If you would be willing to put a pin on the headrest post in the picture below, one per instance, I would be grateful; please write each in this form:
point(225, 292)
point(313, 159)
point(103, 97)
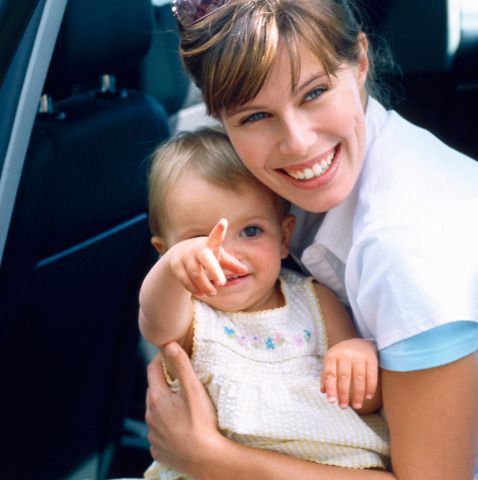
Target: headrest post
point(108, 88)
point(108, 83)
point(46, 104)
point(46, 110)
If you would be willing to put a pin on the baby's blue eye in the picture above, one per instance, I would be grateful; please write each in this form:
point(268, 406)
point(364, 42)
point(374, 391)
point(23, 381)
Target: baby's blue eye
point(314, 94)
point(250, 232)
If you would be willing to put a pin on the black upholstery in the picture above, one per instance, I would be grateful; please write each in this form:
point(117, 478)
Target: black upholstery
point(77, 250)
point(161, 72)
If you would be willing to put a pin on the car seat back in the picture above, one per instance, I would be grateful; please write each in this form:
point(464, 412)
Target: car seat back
point(76, 252)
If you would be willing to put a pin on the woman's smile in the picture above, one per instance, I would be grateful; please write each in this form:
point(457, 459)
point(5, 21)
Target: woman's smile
point(314, 168)
point(315, 173)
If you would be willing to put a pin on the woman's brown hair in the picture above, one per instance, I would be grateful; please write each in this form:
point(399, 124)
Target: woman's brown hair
point(230, 53)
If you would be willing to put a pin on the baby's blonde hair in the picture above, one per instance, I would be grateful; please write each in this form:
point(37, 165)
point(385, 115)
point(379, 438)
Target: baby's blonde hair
point(207, 152)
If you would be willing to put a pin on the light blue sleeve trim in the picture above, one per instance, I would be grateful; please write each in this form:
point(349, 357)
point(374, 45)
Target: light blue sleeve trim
point(438, 346)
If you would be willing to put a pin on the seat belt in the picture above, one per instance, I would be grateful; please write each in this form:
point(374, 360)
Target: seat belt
point(37, 45)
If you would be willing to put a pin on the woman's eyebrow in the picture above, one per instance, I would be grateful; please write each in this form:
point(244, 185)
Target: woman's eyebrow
point(244, 108)
point(315, 77)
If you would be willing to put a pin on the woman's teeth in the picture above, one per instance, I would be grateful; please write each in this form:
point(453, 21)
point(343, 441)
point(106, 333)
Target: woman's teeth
point(315, 170)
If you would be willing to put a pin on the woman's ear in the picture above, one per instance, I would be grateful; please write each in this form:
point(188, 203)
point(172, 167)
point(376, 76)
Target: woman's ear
point(288, 226)
point(159, 244)
point(363, 63)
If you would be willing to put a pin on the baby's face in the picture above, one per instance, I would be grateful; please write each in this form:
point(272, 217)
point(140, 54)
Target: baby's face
point(256, 235)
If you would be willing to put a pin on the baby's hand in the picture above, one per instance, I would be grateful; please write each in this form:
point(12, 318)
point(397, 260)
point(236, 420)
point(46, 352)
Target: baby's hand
point(198, 263)
point(350, 371)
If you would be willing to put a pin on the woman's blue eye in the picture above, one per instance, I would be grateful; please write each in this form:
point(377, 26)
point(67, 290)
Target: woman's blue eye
point(254, 117)
point(250, 232)
point(314, 94)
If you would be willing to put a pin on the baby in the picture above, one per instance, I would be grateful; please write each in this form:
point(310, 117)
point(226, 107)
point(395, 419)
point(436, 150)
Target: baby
point(277, 352)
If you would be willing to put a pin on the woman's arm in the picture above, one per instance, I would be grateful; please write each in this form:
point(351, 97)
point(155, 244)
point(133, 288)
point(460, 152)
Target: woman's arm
point(432, 415)
point(183, 434)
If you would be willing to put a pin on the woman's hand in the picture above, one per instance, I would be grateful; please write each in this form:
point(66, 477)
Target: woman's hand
point(183, 424)
point(183, 434)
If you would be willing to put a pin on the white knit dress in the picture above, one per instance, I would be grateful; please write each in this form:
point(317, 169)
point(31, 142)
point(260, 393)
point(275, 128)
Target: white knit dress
point(262, 371)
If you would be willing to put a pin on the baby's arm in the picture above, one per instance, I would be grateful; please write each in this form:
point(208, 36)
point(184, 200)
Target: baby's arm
point(190, 267)
point(350, 372)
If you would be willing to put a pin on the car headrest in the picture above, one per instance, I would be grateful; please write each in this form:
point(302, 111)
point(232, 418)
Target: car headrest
point(424, 35)
point(99, 37)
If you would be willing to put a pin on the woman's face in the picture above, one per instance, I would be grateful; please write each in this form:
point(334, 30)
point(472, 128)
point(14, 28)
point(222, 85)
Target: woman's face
point(308, 144)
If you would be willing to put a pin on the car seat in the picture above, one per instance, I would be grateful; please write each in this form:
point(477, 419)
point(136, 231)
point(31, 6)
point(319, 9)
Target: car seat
point(77, 250)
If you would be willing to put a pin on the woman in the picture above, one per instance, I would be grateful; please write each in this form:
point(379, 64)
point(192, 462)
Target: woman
point(291, 82)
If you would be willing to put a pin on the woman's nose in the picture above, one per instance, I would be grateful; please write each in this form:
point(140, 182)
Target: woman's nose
point(297, 135)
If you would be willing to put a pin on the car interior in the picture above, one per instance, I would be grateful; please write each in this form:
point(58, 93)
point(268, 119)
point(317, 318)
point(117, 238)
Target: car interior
point(107, 87)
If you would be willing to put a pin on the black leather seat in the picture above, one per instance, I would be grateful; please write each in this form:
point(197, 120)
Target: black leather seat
point(77, 250)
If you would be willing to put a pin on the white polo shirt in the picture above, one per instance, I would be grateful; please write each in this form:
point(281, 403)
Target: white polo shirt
point(402, 249)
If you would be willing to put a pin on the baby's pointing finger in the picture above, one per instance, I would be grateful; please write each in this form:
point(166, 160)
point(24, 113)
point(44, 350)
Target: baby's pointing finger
point(211, 266)
point(216, 237)
point(231, 263)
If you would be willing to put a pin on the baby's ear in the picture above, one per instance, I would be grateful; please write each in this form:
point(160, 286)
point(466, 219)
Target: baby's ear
point(288, 226)
point(159, 244)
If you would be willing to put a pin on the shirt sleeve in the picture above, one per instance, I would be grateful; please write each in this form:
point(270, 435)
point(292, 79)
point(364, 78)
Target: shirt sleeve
point(435, 347)
point(400, 287)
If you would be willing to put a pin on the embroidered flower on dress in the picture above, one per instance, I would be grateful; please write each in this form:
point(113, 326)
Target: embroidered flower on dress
point(279, 339)
point(270, 342)
point(229, 332)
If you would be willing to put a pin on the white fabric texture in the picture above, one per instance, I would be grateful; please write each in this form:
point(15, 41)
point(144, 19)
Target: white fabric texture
point(262, 371)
